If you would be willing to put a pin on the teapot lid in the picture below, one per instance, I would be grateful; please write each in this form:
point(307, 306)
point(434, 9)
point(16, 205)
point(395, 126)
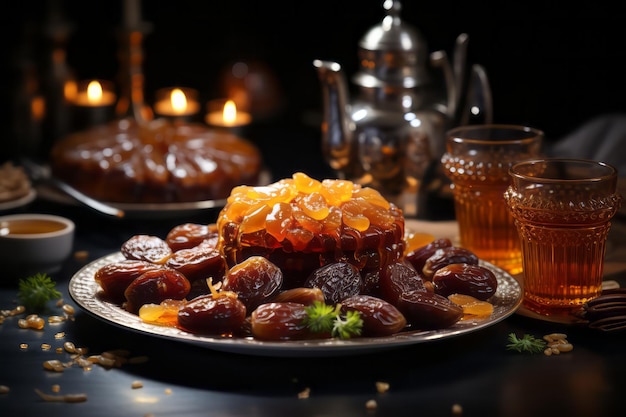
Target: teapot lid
point(392, 53)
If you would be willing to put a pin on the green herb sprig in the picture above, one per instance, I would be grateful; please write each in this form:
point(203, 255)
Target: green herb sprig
point(34, 292)
point(323, 318)
point(526, 344)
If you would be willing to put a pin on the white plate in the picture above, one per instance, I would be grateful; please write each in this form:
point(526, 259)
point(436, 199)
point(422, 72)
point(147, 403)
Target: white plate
point(18, 202)
point(84, 290)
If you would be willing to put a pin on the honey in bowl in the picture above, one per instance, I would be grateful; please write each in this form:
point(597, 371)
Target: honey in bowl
point(30, 227)
point(33, 243)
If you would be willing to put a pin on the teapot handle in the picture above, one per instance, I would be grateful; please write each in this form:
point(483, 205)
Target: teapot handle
point(440, 59)
point(479, 101)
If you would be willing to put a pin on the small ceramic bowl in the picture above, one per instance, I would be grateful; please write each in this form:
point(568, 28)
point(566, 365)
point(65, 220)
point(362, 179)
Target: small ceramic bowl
point(32, 243)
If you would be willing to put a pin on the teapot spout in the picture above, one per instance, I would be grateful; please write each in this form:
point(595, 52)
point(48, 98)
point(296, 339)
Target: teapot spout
point(337, 132)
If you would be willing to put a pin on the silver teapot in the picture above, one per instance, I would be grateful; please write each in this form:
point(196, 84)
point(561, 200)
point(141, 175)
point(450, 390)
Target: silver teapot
point(394, 128)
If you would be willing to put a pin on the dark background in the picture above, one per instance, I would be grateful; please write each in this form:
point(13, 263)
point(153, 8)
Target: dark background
point(551, 64)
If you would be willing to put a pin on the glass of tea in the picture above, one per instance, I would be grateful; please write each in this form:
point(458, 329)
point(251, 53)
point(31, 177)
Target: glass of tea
point(563, 210)
point(477, 162)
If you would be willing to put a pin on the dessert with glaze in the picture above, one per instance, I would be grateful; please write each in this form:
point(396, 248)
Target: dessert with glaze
point(301, 224)
point(155, 162)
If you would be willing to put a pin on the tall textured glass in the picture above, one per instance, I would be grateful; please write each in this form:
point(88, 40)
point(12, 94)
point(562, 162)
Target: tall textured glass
point(563, 210)
point(477, 161)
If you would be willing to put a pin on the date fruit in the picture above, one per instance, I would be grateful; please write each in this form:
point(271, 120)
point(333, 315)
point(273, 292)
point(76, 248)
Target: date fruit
point(189, 235)
point(447, 256)
point(337, 281)
point(279, 321)
point(254, 280)
point(306, 296)
point(220, 314)
point(398, 278)
point(475, 280)
point(152, 287)
point(199, 262)
point(146, 248)
point(115, 277)
point(380, 318)
point(417, 257)
point(427, 310)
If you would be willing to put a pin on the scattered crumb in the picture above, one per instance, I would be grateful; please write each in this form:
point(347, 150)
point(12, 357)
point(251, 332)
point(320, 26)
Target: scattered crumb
point(137, 384)
point(81, 255)
point(168, 391)
point(305, 393)
point(382, 387)
point(371, 405)
point(457, 410)
point(4, 389)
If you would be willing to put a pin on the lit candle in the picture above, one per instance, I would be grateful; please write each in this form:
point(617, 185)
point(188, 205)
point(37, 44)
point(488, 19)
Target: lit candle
point(226, 115)
point(94, 94)
point(176, 102)
point(94, 102)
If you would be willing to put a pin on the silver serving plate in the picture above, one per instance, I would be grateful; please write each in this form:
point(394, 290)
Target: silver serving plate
point(85, 291)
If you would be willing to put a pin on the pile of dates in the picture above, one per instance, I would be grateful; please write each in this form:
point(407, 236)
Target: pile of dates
point(183, 281)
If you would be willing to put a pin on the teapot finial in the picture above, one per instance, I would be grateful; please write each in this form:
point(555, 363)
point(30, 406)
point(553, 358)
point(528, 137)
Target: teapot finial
point(393, 7)
point(392, 53)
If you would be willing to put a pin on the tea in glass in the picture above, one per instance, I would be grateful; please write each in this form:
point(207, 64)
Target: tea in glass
point(477, 161)
point(563, 210)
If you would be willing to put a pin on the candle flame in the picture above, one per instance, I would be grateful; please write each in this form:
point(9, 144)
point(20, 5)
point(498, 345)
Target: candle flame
point(230, 112)
point(70, 90)
point(178, 100)
point(94, 91)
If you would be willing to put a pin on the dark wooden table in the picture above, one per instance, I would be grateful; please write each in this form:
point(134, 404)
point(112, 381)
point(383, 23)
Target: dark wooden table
point(474, 371)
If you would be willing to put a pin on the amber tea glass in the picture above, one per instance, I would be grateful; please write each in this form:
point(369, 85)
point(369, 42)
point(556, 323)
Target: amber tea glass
point(477, 161)
point(563, 210)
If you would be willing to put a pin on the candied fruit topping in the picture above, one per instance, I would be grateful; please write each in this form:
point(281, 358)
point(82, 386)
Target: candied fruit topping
point(472, 307)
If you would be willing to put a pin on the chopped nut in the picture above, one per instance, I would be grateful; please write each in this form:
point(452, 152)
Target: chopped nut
point(4, 389)
point(81, 255)
point(68, 398)
point(382, 387)
point(136, 384)
point(304, 393)
point(371, 405)
point(457, 410)
point(68, 309)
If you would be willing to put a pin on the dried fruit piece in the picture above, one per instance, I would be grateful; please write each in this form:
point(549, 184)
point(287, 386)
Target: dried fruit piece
point(200, 262)
point(417, 257)
point(301, 295)
point(380, 318)
point(216, 313)
point(472, 306)
point(189, 235)
point(447, 256)
point(399, 278)
point(146, 248)
point(254, 280)
point(115, 277)
point(426, 310)
point(279, 321)
point(155, 286)
point(337, 281)
point(475, 280)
